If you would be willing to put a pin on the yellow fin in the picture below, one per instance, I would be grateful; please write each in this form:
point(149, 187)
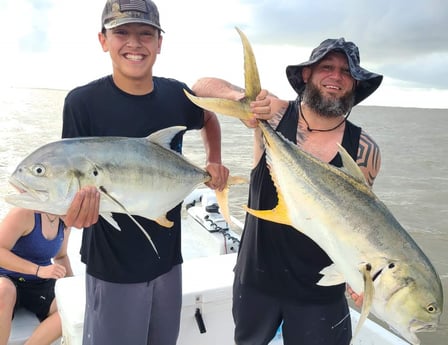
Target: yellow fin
point(252, 83)
point(238, 109)
point(279, 214)
point(222, 197)
point(163, 221)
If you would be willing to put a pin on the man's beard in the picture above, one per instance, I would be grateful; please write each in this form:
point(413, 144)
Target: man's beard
point(327, 106)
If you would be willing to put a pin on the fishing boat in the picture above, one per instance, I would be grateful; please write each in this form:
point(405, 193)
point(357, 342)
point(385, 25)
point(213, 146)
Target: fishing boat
point(209, 247)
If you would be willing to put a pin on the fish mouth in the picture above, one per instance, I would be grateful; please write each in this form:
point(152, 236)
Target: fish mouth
point(417, 326)
point(26, 192)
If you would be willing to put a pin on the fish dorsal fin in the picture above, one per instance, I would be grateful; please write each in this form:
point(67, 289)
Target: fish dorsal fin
point(350, 166)
point(165, 136)
point(369, 291)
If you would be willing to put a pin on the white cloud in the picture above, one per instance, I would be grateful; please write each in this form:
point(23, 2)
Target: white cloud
point(53, 43)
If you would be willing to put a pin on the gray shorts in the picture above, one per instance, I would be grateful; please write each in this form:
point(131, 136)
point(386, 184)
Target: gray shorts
point(137, 314)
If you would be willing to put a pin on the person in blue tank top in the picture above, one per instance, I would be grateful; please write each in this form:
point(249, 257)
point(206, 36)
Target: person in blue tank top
point(132, 295)
point(278, 267)
point(33, 254)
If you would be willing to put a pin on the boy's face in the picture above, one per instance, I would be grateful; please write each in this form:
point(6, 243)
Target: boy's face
point(133, 49)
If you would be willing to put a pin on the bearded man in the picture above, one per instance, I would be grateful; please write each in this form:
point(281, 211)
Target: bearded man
point(278, 267)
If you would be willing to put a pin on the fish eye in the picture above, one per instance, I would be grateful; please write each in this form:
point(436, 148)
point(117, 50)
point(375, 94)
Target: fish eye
point(38, 170)
point(431, 308)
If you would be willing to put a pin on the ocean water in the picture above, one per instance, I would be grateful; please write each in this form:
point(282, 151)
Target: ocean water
point(413, 181)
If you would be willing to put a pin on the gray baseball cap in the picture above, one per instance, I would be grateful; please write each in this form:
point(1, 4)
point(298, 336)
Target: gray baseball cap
point(120, 12)
point(368, 82)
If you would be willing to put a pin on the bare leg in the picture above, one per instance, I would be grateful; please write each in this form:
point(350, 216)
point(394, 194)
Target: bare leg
point(48, 330)
point(8, 295)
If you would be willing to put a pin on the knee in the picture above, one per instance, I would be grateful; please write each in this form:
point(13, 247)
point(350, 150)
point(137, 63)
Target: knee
point(8, 294)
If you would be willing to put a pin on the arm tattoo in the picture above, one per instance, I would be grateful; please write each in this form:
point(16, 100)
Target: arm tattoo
point(369, 157)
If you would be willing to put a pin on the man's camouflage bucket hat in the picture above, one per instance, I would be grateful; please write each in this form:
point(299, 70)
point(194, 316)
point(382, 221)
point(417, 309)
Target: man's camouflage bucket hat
point(368, 82)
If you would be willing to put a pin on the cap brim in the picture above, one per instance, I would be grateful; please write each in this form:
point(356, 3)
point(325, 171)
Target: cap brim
point(122, 21)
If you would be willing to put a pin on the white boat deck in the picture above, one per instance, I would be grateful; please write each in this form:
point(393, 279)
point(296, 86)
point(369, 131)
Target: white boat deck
point(207, 287)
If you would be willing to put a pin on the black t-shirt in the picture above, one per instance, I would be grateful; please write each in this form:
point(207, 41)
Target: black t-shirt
point(101, 109)
point(276, 258)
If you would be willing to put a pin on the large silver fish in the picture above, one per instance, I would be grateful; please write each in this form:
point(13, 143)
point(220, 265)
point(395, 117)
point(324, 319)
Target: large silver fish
point(136, 176)
point(369, 248)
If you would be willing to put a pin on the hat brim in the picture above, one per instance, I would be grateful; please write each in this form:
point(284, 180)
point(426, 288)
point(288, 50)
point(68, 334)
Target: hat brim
point(368, 81)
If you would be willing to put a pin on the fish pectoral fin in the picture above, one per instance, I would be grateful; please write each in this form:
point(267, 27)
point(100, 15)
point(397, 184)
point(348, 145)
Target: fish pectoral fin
point(369, 291)
point(104, 192)
point(108, 217)
point(163, 221)
point(238, 109)
point(331, 276)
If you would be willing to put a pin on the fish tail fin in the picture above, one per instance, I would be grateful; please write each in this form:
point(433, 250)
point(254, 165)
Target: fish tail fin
point(238, 109)
point(252, 83)
point(222, 197)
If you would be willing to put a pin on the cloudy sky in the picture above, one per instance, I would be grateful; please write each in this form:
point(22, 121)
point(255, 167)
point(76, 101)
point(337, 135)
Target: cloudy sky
point(53, 43)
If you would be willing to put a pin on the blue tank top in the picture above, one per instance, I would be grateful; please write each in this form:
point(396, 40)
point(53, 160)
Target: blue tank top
point(36, 248)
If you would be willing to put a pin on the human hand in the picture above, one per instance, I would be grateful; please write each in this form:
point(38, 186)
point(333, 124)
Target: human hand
point(260, 108)
point(219, 174)
point(54, 271)
point(84, 209)
point(357, 299)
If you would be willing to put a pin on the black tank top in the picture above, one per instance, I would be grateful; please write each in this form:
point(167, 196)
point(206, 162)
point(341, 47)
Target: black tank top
point(276, 258)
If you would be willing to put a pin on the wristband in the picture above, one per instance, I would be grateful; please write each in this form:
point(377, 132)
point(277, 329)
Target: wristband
point(37, 271)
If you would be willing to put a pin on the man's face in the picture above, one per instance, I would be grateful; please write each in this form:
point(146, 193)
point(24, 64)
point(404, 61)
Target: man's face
point(329, 85)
